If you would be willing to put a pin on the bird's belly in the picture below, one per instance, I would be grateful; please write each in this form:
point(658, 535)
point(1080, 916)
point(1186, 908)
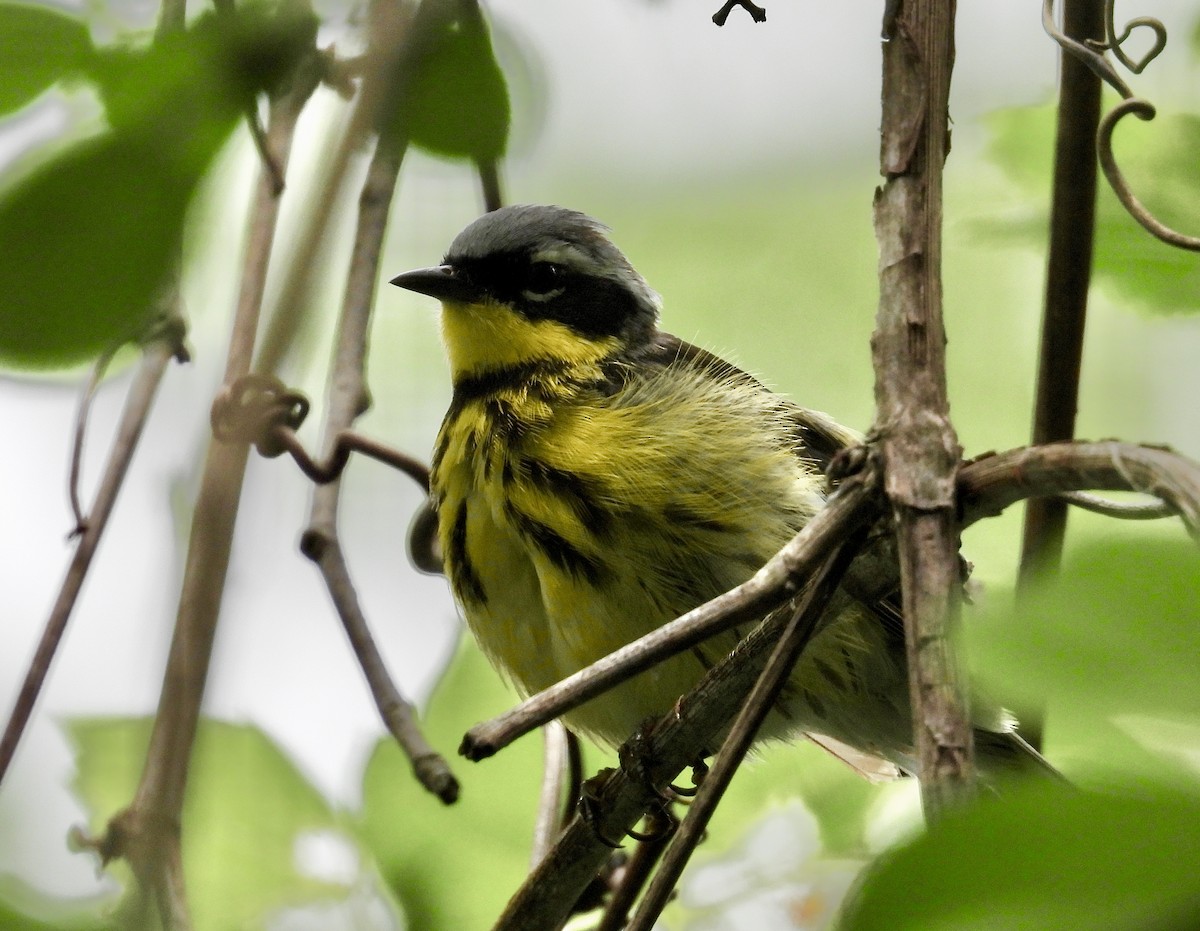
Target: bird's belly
point(541, 623)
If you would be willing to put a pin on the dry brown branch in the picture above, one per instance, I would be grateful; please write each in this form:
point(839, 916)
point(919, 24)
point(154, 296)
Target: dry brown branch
point(147, 833)
point(917, 441)
point(137, 407)
point(389, 66)
point(348, 397)
point(991, 483)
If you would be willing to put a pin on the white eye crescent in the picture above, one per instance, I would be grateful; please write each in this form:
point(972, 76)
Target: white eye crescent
point(545, 282)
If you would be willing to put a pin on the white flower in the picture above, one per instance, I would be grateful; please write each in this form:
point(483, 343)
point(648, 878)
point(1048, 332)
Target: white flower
point(774, 880)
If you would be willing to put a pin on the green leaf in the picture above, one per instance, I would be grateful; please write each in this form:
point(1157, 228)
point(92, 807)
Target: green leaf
point(246, 804)
point(1159, 161)
point(1045, 857)
point(39, 46)
point(457, 103)
point(91, 236)
point(88, 240)
point(454, 866)
point(1110, 644)
point(195, 83)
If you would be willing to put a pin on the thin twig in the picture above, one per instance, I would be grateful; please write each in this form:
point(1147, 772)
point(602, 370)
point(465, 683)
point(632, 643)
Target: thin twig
point(262, 410)
point(773, 585)
point(1068, 276)
point(619, 799)
point(1091, 54)
point(632, 876)
point(344, 443)
point(1086, 53)
point(917, 440)
point(95, 376)
point(348, 397)
point(818, 590)
point(1115, 43)
point(155, 856)
point(556, 765)
point(398, 715)
point(133, 419)
point(399, 41)
point(258, 136)
point(489, 184)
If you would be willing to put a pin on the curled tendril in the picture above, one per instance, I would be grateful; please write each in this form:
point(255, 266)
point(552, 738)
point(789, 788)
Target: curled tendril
point(1144, 110)
point(1091, 53)
point(250, 409)
point(1085, 52)
point(1113, 42)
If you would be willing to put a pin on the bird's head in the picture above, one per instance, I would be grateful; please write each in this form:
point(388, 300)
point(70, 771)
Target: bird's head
point(530, 283)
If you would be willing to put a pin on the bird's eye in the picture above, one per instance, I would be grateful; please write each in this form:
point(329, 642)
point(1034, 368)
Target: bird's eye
point(544, 282)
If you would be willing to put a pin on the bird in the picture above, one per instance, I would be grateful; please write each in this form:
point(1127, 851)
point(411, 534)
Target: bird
point(596, 477)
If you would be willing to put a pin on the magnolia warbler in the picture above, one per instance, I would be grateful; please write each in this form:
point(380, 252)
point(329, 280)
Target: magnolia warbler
point(596, 477)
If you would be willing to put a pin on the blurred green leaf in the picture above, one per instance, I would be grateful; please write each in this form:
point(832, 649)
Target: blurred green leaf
point(187, 87)
point(454, 866)
point(1044, 857)
point(88, 240)
point(457, 104)
point(1158, 159)
point(90, 237)
point(246, 804)
point(39, 46)
point(1115, 638)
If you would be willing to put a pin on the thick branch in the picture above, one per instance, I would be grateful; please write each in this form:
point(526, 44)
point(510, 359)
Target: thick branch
point(148, 832)
point(918, 443)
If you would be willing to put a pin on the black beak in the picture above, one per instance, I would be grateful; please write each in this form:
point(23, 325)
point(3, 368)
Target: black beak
point(444, 282)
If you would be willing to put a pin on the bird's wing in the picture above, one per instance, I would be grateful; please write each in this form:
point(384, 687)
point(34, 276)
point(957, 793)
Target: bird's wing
point(819, 438)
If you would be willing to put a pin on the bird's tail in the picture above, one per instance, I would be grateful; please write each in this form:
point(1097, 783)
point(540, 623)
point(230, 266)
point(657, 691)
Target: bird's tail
point(1003, 755)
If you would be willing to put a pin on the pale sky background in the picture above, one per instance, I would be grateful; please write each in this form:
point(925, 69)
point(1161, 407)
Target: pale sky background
point(637, 95)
